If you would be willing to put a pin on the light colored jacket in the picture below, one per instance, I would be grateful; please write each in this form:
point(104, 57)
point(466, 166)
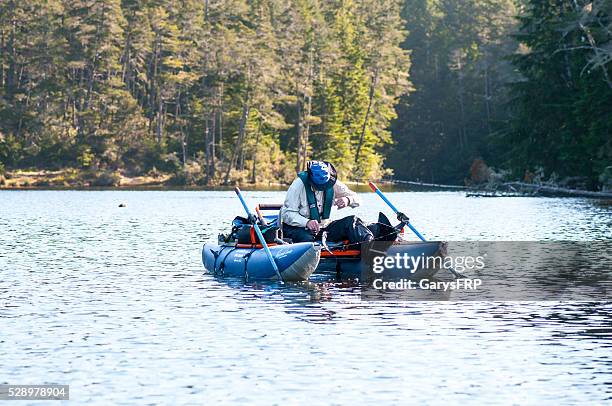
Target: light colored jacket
point(295, 210)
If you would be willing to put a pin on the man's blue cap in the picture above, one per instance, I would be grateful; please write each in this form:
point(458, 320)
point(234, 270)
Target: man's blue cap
point(320, 173)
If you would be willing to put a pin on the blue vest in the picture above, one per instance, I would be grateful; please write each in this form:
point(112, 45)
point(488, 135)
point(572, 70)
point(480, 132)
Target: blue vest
point(328, 198)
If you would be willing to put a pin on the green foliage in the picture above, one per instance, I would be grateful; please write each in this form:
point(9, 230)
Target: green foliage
point(229, 85)
point(104, 178)
point(86, 158)
point(458, 71)
point(249, 90)
point(561, 107)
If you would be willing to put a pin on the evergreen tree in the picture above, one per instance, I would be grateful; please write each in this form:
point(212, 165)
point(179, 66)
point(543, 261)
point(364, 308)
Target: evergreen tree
point(561, 110)
point(209, 90)
point(458, 72)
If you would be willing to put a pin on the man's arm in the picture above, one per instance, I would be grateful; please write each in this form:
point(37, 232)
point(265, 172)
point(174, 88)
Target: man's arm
point(290, 213)
point(341, 190)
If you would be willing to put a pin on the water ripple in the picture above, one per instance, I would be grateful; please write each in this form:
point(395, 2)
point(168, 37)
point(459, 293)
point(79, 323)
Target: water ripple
point(114, 302)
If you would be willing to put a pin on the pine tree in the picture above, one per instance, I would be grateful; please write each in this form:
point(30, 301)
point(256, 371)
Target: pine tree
point(387, 68)
point(458, 72)
point(561, 108)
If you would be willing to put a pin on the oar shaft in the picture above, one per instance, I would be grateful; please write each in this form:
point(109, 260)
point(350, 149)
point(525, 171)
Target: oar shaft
point(244, 205)
point(382, 196)
point(259, 235)
point(414, 230)
point(395, 210)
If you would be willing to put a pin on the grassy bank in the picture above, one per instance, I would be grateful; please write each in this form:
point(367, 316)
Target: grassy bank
point(71, 178)
point(84, 179)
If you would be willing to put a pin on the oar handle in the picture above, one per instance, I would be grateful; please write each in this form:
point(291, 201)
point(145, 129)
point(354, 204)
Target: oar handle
point(262, 219)
point(259, 234)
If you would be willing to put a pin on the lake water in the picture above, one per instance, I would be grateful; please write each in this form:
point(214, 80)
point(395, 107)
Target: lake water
point(115, 303)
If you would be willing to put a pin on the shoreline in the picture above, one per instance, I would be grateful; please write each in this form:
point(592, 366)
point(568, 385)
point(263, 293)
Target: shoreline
point(74, 179)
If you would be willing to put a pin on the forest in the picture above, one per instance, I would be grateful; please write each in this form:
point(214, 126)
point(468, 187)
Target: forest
point(214, 92)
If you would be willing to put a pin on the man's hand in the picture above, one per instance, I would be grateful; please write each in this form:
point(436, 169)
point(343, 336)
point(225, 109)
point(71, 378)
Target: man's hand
point(314, 226)
point(342, 202)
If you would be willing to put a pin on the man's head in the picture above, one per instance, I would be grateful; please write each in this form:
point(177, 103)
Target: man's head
point(322, 174)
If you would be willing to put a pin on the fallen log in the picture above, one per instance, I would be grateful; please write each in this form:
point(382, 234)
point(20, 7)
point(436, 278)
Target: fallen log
point(426, 185)
point(515, 188)
point(495, 193)
point(554, 191)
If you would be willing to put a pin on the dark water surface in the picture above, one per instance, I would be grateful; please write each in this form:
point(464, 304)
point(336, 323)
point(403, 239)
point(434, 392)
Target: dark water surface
point(114, 302)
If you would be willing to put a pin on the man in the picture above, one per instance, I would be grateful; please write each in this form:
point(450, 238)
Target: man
point(305, 213)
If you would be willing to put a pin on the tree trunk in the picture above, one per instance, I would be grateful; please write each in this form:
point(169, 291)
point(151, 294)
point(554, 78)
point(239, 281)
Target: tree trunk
point(212, 169)
point(299, 163)
point(127, 55)
point(184, 149)
point(154, 94)
point(2, 45)
point(324, 112)
point(239, 141)
point(12, 66)
point(462, 132)
point(206, 149)
point(593, 45)
point(94, 64)
point(367, 115)
point(254, 166)
point(487, 92)
point(221, 116)
point(306, 130)
point(177, 112)
point(159, 126)
point(307, 112)
point(241, 159)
